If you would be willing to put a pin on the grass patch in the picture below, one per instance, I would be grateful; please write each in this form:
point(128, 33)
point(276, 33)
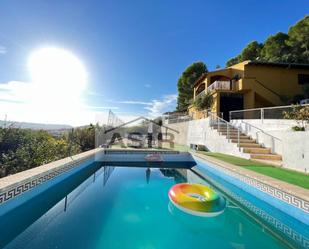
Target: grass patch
point(286, 175)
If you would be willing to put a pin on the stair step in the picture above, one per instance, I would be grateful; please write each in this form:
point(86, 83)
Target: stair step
point(225, 127)
point(266, 156)
point(232, 136)
point(246, 141)
point(232, 133)
point(257, 150)
point(250, 145)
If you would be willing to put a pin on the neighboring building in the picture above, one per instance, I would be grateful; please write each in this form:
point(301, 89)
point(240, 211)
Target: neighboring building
point(250, 84)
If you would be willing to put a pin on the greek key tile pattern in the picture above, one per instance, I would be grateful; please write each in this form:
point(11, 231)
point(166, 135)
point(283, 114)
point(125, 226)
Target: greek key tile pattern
point(32, 182)
point(277, 224)
point(268, 189)
point(115, 151)
point(266, 219)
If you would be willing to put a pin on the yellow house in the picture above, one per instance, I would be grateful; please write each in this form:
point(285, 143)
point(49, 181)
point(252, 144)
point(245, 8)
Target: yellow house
point(250, 84)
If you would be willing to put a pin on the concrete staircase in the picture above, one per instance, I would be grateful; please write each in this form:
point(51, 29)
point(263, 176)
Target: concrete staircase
point(247, 144)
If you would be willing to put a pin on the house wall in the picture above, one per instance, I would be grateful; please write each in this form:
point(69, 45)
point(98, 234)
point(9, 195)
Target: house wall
point(270, 83)
point(283, 81)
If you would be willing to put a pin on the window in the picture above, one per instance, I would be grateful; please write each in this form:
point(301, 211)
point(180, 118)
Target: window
point(303, 79)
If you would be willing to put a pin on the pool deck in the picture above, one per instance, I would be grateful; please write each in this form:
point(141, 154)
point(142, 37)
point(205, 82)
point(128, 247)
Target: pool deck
point(16, 178)
point(284, 186)
point(14, 185)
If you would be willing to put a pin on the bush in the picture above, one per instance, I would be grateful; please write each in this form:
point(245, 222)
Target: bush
point(22, 149)
point(300, 114)
point(203, 102)
point(298, 128)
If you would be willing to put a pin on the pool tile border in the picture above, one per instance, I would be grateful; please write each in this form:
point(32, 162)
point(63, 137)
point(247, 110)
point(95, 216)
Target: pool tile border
point(271, 190)
point(56, 168)
point(142, 151)
point(269, 219)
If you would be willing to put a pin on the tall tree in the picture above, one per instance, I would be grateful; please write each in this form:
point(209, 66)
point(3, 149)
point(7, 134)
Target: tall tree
point(281, 47)
point(186, 82)
point(233, 61)
point(299, 41)
point(251, 52)
point(276, 49)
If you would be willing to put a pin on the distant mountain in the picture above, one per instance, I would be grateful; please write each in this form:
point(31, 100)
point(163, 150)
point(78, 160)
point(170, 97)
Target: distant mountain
point(34, 126)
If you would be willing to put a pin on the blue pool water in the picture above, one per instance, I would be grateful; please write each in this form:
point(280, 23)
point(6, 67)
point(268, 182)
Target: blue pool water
point(127, 207)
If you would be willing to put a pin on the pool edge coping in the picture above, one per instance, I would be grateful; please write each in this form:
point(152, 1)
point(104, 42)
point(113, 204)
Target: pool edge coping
point(14, 185)
point(265, 184)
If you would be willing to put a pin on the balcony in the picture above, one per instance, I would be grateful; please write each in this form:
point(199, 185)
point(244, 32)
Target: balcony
point(220, 85)
point(201, 94)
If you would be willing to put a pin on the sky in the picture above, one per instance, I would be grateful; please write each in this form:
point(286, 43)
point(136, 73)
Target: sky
point(132, 52)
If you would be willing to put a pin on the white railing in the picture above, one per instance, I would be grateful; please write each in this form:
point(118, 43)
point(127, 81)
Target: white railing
point(221, 125)
point(276, 112)
point(262, 137)
point(220, 85)
point(172, 119)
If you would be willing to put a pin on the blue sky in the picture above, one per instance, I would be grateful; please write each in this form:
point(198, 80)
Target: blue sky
point(133, 51)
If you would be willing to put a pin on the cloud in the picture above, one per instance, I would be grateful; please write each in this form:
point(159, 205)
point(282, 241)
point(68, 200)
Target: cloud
point(154, 107)
point(93, 93)
point(24, 102)
point(15, 91)
point(101, 107)
point(3, 50)
point(133, 102)
point(158, 107)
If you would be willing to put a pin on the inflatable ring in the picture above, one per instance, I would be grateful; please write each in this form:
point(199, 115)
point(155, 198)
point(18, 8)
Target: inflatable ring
point(197, 199)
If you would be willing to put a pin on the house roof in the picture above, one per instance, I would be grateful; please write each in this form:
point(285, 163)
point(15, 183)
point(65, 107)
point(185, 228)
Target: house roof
point(276, 64)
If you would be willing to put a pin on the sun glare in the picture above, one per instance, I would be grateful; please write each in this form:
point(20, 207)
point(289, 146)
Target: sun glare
point(56, 70)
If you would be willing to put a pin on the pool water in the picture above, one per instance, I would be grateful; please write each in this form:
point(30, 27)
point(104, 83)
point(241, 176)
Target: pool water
point(125, 207)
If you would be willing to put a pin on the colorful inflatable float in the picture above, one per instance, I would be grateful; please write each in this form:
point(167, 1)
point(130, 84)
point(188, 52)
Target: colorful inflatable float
point(197, 199)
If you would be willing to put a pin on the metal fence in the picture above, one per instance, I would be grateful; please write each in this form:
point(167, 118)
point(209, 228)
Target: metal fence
point(172, 119)
point(277, 112)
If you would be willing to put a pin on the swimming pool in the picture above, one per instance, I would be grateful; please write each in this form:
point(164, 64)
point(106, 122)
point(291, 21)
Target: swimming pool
point(128, 207)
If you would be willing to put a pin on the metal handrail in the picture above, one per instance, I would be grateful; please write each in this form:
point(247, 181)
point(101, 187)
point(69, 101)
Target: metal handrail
point(271, 136)
point(268, 134)
point(270, 107)
point(228, 125)
point(262, 110)
point(239, 130)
